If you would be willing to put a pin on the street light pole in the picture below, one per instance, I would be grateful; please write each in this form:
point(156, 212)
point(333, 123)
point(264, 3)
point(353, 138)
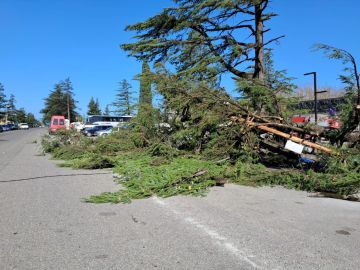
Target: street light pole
point(315, 93)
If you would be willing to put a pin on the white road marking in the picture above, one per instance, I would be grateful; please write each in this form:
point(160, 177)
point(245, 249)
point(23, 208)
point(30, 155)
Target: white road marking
point(214, 235)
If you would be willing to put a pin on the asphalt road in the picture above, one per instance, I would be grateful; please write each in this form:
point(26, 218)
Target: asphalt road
point(45, 225)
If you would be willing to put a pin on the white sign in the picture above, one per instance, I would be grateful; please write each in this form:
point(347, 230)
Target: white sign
point(295, 147)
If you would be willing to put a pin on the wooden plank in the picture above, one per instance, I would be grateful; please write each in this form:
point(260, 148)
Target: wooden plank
point(284, 135)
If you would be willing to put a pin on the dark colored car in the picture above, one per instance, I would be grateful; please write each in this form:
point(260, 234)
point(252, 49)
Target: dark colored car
point(92, 131)
point(12, 126)
point(1, 129)
point(6, 127)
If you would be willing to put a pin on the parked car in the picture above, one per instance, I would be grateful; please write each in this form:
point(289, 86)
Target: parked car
point(92, 131)
point(1, 129)
point(23, 126)
point(5, 127)
point(57, 123)
point(12, 126)
point(104, 132)
point(77, 126)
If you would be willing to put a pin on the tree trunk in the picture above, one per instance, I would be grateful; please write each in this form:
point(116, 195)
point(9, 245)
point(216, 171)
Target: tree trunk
point(357, 82)
point(259, 39)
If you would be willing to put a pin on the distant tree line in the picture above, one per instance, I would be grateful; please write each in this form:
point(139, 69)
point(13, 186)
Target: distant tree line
point(9, 111)
point(122, 105)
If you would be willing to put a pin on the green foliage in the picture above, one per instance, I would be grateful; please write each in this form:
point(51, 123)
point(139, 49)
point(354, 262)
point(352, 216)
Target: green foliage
point(21, 115)
point(145, 85)
point(57, 101)
point(145, 113)
point(107, 110)
point(123, 103)
point(148, 117)
point(198, 146)
point(163, 150)
point(341, 177)
point(12, 108)
point(3, 101)
point(66, 152)
point(94, 107)
point(350, 116)
point(114, 143)
point(201, 39)
point(272, 96)
point(142, 180)
point(160, 169)
point(90, 161)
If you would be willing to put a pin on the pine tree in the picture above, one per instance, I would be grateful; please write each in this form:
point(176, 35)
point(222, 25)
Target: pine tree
point(67, 88)
point(21, 115)
point(57, 103)
point(229, 33)
point(11, 102)
point(123, 102)
point(12, 108)
point(94, 107)
point(146, 113)
point(107, 110)
point(145, 96)
point(3, 101)
point(31, 120)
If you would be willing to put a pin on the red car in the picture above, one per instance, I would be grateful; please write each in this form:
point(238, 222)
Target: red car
point(57, 123)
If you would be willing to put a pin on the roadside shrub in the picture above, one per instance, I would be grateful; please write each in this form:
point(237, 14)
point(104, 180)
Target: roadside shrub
point(49, 144)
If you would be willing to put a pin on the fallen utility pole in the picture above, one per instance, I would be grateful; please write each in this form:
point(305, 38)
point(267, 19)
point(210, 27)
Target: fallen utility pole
point(284, 135)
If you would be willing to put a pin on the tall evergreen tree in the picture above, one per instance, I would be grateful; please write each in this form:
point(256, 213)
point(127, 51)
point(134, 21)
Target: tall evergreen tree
point(219, 28)
point(57, 103)
point(146, 113)
point(123, 99)
point(11, 102)
point(145, 96)
point(94, 107)
point(21, 115)
point(12, 108)
point(31, 120)
point(107, 110)
point(67, 88)
point(3, 101)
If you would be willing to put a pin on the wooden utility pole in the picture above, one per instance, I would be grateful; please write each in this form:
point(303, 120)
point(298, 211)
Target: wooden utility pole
point(68, 107)
point(262, 126)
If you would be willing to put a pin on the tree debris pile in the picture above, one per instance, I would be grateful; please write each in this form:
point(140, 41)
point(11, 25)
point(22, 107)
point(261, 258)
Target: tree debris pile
point(209, 122)
point(201, 138)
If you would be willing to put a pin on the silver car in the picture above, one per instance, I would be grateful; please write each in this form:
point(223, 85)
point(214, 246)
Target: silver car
point(104, 132)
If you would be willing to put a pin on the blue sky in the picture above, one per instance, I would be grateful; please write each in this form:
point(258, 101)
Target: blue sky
point(43, 42)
